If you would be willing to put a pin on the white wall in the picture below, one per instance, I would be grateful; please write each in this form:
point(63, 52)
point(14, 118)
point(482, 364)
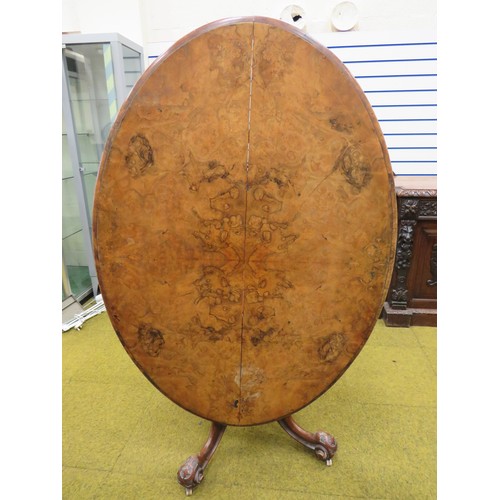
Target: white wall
point(162, 22)
point(169, 19)
point(103, 16)
point(411, 127)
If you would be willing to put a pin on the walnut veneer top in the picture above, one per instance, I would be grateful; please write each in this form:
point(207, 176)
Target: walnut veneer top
point(244, 221)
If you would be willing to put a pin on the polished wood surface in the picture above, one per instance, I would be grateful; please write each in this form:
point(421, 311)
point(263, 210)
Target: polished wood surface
point(244, 221)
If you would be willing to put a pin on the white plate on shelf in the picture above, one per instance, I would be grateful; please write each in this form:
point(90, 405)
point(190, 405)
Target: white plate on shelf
point(345, 16)
point(294, 15)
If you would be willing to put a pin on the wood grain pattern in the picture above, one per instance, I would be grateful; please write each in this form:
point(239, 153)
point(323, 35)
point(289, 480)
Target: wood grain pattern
point(244, 221)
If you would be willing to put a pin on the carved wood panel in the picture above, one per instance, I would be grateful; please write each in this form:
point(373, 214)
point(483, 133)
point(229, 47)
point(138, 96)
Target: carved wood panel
point(412, 298)
point(422, 278)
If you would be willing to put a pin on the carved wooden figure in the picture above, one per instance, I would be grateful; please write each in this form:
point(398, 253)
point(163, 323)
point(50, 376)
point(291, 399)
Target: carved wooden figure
point(244, 226)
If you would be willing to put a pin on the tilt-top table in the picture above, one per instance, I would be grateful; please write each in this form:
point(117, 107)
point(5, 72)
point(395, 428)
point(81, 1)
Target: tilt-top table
point(244, 226)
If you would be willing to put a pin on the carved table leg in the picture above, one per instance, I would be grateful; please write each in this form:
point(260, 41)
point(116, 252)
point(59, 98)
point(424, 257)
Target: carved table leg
point(190, 473)
point(322, 443)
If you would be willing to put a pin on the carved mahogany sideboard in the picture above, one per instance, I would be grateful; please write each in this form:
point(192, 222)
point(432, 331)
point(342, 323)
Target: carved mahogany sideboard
point(412, 297)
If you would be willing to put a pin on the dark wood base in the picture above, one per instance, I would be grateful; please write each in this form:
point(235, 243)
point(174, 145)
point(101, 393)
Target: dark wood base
point(322, 443)
point(191, 472)
point(408, 317)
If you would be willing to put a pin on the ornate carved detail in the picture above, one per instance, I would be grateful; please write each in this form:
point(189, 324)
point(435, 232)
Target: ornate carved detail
point(413, 205)
point(428, 208)
point(433, 266)
point(404, 245)
point(404, 252)
point(416, 193)
point(326, 445)
point(412, 208)
point(323, 444)
point(191, 472)
point(409, 209)
point(399, 295)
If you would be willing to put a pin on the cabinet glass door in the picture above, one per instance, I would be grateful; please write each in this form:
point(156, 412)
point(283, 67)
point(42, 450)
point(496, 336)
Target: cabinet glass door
point(75, 277)
point(132, 64)
point(98, 73)
point(94, 105)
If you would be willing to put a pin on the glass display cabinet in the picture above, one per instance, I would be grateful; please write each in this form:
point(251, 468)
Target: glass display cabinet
point(98, 72)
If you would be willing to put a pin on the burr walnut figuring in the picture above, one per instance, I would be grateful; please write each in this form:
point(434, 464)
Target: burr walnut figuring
point(244, 225)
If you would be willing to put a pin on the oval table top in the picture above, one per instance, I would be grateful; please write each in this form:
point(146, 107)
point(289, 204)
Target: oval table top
point(244, 221)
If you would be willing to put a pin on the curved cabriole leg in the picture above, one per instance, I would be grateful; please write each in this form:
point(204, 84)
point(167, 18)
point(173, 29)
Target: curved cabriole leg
point(322, 443)
point(190, 473)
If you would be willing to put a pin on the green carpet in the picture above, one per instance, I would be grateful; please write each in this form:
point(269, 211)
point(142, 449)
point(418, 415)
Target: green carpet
point(122, 439)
